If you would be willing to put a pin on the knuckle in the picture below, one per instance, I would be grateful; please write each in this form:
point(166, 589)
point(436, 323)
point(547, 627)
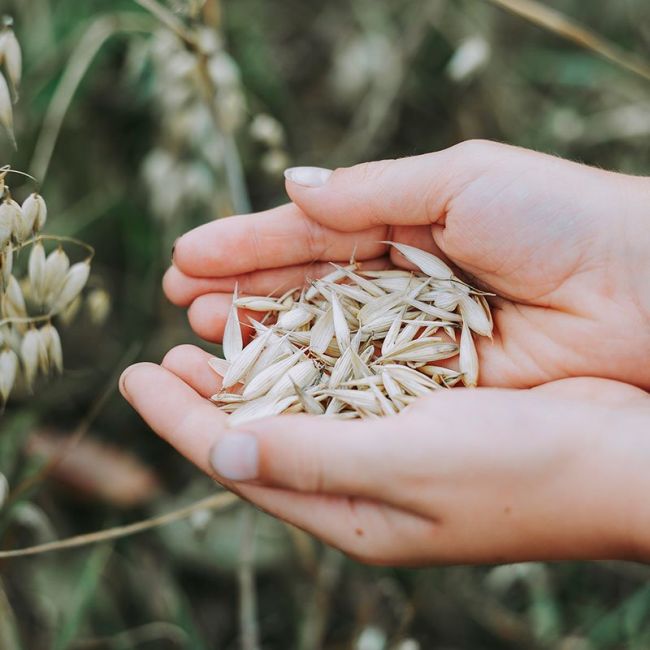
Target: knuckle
point(176, 355)
point(370, 172)
point(468, 146)
point(256, 247)
point(475, 148)
point(307, 466)
point(315, 238)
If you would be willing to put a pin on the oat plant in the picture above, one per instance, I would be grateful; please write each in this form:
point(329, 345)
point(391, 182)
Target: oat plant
point(40, 287)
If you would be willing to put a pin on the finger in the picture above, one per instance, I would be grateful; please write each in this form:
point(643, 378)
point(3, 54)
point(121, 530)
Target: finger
point(190, 364)
point(313, 454)
point(280, 237)
point(408, 191)
point(174, 410)
point(208, 315)
point(182, 289)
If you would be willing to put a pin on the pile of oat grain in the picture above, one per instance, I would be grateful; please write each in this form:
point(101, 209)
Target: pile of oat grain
point(356, 343)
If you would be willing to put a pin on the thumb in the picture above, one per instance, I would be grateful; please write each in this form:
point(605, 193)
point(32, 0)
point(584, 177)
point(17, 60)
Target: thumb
point(406, 191)
point(308, 454)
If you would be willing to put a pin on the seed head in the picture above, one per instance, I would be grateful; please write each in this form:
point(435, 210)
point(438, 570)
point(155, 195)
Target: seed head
point(34, 212)
point(8, 371)
point(98, 304)
point(11, 217)
point(75, 281)
point(11, 55)
point(31, 352)
point(14, 301)
point(56, 268)
point(36, 272)
point(6, 110)
point(52, 344)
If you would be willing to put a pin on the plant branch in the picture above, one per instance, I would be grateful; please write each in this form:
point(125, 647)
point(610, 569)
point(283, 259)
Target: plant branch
point(569, 29)
point(218, 501)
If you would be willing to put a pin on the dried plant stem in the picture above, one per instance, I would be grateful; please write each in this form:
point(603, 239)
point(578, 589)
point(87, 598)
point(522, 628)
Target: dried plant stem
point(61, 239)
point(143, 634)
point(212, 13)
point(218, 501)
point(556, 22)
point(99, 31)
point(246, 578)
point(167, 18)
point(233, 165)
point(315, 621)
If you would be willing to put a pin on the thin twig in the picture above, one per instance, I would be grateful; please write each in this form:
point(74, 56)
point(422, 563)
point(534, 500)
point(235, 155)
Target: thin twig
point(215, 502)
point(167, 18)
point(317, 611)
point(143, 634)
point(246, 577)
point(561, 25)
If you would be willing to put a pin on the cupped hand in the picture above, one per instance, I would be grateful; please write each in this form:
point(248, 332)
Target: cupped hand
point(464, 476)
point(566, 247)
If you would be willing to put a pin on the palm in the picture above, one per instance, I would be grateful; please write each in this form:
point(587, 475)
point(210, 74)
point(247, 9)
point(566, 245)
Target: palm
point(545, 253)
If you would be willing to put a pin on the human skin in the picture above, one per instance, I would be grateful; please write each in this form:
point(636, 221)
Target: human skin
point(546, 460)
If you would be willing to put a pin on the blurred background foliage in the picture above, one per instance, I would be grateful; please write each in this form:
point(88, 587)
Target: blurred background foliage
point(150, 145)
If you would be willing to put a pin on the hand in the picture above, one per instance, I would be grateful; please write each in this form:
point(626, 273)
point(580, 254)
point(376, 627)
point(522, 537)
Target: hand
point(464, 476)
point(566, 247)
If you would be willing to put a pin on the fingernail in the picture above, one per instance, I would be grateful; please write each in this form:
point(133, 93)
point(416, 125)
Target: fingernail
point(122, 383)
point(235, 457)
point(308, 176)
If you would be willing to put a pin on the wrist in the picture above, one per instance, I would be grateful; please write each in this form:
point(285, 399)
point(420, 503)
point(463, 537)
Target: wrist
point(629, 465)
point(636, 238)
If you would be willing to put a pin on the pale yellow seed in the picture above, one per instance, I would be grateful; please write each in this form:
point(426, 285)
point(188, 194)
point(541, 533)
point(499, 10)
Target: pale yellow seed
point(468, 360)
point(475, 316)
point(341, 328)
point(303, 374)
point(232, 337)
point(265, 380)
point(245, 360)
point(258, 303)
point(322, 332)
point(429, 264)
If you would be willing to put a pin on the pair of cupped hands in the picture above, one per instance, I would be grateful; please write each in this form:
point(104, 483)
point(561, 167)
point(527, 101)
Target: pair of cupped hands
point(548, 459)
